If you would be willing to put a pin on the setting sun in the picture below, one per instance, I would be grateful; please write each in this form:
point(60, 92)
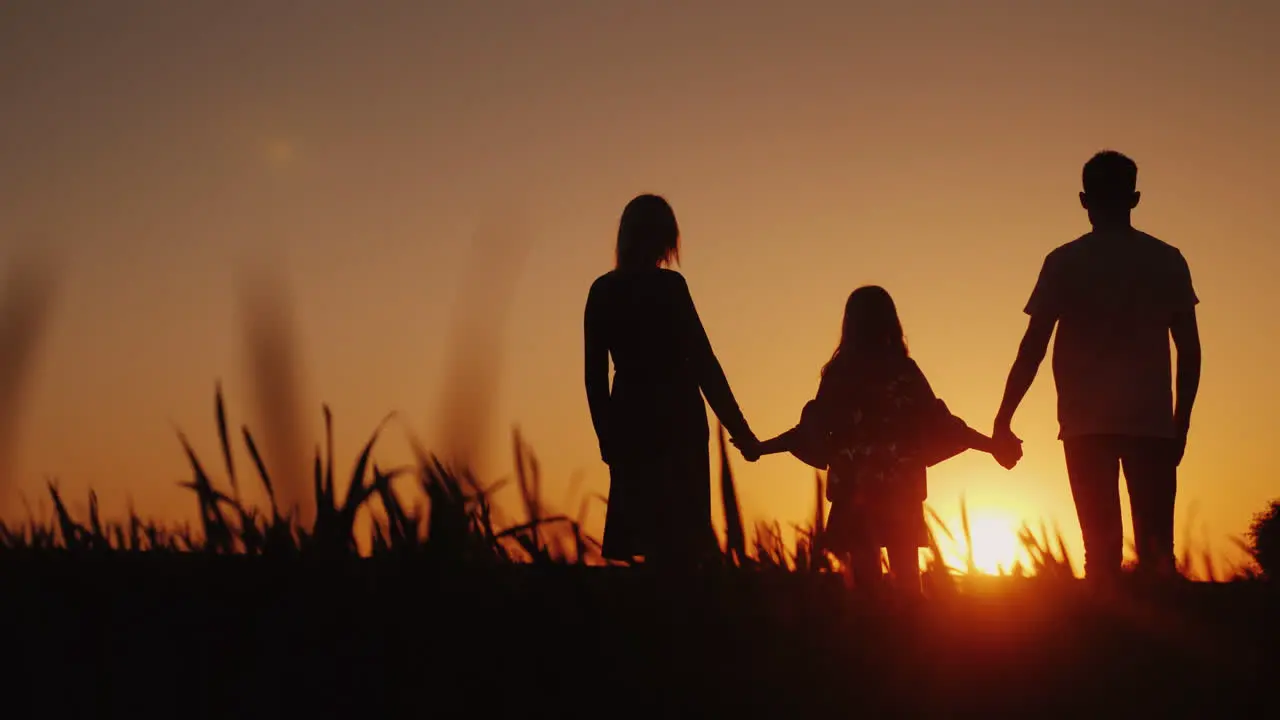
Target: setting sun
point(995, 542)
point(756, 355)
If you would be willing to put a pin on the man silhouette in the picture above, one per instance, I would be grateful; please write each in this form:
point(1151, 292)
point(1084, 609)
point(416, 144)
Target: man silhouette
point(1115, 295)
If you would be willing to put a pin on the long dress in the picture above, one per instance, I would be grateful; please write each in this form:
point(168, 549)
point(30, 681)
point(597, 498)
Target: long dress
point(652, 426)
point(876, 426)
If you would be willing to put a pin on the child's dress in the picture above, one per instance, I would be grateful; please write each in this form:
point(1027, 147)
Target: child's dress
point(876, 425)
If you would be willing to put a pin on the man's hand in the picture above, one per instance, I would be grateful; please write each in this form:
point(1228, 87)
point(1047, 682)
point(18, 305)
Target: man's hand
point(1008, 450)
point(1008, 446)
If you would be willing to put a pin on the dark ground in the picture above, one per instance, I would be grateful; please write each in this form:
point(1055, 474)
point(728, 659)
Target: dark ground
point(248, 637)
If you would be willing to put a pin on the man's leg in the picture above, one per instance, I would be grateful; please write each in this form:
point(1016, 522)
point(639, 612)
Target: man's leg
point(1093, 468)
point(1152, 478)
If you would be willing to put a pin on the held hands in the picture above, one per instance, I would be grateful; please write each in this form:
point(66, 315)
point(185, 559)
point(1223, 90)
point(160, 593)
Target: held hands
point(1007, 447)
point(749, 446)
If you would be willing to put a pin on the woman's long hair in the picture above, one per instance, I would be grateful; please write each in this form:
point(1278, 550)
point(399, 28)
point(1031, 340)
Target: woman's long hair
point(871, 329)
point(648, 235)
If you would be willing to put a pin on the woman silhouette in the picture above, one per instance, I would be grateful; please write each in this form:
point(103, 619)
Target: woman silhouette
point(652, 426)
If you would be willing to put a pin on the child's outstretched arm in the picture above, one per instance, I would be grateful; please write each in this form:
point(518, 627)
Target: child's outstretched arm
point(753, 451)
point(975, 440)
point(807, 440)
point(779, 444)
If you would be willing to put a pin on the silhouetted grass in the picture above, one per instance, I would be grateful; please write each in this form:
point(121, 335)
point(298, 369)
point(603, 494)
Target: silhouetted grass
point(1264, 540)
point(459, 614)
point(460, 524)
point(442, 513)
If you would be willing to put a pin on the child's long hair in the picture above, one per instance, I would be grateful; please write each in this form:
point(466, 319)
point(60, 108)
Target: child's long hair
point(871, 329)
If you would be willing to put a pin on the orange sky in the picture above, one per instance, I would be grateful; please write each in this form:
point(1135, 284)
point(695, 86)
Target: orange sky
point(931, 147)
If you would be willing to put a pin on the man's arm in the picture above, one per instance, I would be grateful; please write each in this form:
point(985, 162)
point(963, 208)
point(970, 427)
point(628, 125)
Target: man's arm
point(1186, 340)
point(1031, 352)
point(1044, 307)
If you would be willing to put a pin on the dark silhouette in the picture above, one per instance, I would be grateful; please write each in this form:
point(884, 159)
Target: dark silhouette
point(1115, 295)
point(876, 424)
point(652, 427)
point(132, 615)
point(1264, 540)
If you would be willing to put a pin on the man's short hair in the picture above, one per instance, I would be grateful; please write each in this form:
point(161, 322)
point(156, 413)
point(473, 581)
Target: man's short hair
point(1110, 174)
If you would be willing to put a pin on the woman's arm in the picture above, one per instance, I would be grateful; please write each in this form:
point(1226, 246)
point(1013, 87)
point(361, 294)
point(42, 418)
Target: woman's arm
point(596, 366)
point(711, 377)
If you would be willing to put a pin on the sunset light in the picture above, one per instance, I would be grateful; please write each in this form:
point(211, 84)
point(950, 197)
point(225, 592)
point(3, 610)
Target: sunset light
point(993, 532)
point(508, 357)
point(995, 542)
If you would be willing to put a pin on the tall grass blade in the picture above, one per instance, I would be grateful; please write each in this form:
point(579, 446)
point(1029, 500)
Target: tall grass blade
point(970, 565)
point(735, 538)
point(225, 440)
point(30, 289)
point(216, 531)
point(818, 548)
point(263, 475)
point(273, 356)
point(72, 533)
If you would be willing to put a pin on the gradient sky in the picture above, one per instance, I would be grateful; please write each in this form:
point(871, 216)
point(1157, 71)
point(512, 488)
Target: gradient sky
point(931, 147)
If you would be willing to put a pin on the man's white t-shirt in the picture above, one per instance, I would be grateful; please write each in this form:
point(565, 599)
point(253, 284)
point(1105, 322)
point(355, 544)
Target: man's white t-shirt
point(1114, 296)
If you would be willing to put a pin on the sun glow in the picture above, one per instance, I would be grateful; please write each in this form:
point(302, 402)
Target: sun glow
point(995, 544)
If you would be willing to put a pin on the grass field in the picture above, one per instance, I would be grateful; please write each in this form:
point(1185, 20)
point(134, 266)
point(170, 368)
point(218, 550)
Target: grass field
point(454, 608)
